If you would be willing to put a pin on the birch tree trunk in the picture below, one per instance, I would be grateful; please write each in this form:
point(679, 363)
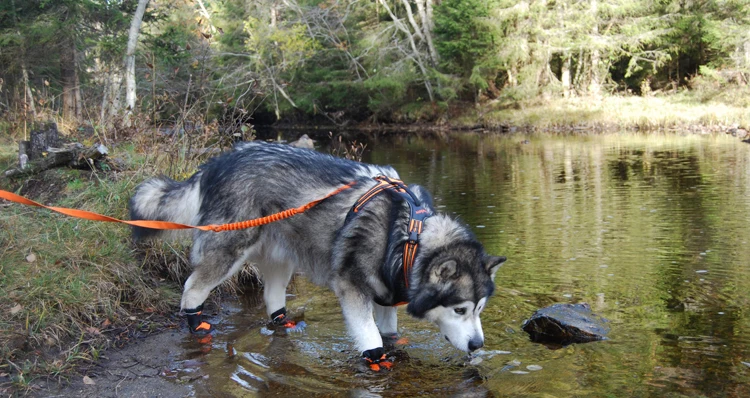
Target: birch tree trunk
point(565, 75)
point(424, 7)
point(416, 54)
point(135, 27)
point(595, 85)
point(27, 89)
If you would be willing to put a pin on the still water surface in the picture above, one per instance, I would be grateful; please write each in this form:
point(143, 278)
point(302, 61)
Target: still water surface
point(652, 231)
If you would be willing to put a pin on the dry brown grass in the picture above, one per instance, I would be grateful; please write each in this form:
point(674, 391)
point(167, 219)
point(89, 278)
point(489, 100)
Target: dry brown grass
point(617, 112)
point(70, 284)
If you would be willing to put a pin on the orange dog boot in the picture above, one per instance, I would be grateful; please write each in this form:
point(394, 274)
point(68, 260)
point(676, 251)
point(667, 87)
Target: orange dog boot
point(376, 359)
point(195, 323)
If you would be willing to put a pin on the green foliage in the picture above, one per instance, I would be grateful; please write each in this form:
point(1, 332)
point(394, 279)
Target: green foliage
point(463, 38)
point(363, 58)
point(387, 93)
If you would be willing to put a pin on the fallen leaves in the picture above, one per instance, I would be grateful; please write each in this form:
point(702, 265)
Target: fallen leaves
point(93, 330)
point(16, 309)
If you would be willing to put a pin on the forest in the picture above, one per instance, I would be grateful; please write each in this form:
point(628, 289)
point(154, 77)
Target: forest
point(338, 61)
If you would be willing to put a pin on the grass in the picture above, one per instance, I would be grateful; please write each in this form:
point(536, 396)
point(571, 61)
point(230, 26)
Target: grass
point(72, 287)
point(683, 111)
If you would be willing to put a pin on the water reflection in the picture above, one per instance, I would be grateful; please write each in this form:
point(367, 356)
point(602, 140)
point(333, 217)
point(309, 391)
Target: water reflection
point(649, 230)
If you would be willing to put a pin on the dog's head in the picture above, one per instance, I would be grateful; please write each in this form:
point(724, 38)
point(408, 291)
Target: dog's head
point(454, 281)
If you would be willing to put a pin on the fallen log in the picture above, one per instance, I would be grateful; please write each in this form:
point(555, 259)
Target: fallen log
point(72, 155)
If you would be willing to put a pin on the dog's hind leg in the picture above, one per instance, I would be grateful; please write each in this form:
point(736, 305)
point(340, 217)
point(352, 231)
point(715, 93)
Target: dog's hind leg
point(386, 319)
point(215, 260)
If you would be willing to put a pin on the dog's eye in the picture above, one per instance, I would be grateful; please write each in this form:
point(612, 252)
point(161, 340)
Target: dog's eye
point(460, 311)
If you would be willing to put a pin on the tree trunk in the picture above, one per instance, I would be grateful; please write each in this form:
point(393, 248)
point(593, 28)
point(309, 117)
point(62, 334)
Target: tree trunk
point(206, 15)
point(512, 80)
point(595, 85)
point(27, 90)
point(70, 105)
point(415, 51)
point(135, 27)
point(412, 21)
point(274, 14)
point(565, 75)
point(424, 7)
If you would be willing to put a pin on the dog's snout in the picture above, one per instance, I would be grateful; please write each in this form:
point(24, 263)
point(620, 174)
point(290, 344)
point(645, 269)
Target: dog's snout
point(475, 344)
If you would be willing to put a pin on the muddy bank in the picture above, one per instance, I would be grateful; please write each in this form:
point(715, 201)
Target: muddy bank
point(144, 368)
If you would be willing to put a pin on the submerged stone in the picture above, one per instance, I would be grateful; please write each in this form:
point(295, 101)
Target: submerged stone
point(566, 324)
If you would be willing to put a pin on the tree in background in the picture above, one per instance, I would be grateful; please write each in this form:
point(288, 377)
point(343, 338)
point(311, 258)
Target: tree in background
point(465, 42)
point(338, 60)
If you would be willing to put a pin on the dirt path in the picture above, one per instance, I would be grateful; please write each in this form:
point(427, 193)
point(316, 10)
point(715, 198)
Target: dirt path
point(147, 368)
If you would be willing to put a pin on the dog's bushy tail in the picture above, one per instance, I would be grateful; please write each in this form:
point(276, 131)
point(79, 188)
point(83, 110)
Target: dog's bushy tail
point(164, 199)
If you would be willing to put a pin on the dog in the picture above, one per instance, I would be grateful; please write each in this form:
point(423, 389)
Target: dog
point(356, 247)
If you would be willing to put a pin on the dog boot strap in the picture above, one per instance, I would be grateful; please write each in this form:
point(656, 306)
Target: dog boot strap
point(279, 318)
point(195, 322)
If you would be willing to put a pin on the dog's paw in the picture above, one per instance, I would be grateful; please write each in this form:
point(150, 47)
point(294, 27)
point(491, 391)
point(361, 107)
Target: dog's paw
point(394, 339)
point(376, 359)
point(295, 327)
point(202, 329)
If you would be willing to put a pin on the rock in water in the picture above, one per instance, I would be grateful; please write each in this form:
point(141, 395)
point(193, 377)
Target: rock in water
point(304, 142)
point(566, 324)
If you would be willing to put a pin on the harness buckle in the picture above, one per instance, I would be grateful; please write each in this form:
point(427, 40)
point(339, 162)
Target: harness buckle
point(413, 237)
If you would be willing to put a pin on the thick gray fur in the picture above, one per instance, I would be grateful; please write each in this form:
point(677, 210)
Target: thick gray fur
point(359, 259)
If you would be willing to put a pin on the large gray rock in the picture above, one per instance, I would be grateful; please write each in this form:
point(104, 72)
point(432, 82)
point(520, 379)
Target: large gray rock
point(566, 324)
point(304, 142)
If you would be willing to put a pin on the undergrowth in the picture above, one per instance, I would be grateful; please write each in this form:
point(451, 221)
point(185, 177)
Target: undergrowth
point(75, 287)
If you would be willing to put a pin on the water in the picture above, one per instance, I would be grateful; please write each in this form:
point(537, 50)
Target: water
point(651, 231)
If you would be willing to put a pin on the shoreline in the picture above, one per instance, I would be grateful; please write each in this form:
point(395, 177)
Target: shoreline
point(677, 113)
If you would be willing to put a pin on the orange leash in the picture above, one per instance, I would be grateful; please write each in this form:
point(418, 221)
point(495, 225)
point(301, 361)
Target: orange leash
point(87, 215)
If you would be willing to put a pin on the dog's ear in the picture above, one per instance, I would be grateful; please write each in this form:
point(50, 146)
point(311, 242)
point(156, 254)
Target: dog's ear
point(443, 272)
point(493, 263)
point(420, 304)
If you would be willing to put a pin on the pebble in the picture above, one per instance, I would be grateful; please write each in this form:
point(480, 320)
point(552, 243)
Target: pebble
point(491, 353)
point(534, 368)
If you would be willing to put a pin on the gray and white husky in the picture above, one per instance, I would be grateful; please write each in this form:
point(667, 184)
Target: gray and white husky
point(359, 256)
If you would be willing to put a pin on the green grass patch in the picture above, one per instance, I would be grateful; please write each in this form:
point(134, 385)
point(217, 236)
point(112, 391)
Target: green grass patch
point(68, 282)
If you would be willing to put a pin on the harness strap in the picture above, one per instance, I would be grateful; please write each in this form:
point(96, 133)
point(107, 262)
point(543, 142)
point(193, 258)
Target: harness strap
point(417, 215)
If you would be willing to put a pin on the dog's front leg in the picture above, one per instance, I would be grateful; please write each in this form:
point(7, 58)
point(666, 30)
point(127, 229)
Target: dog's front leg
point(361, 325)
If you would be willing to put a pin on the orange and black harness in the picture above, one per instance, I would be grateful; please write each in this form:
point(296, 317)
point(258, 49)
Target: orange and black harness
point(417, 214)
